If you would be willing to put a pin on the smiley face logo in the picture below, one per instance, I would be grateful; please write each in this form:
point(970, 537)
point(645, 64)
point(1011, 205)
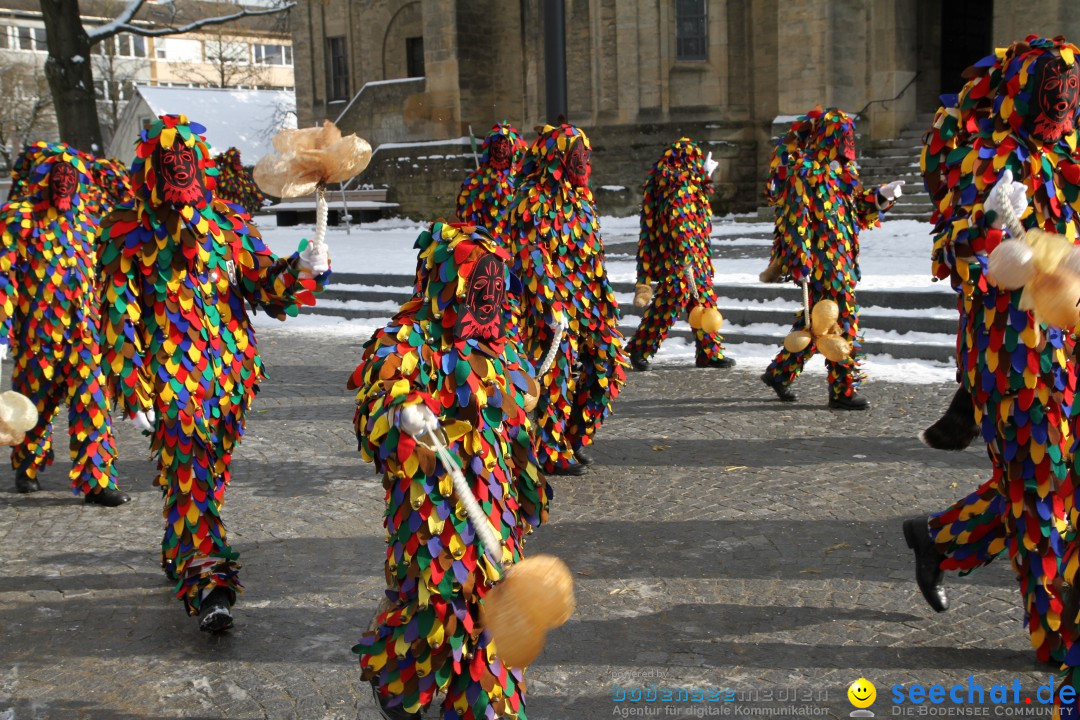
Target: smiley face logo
point(862, 693)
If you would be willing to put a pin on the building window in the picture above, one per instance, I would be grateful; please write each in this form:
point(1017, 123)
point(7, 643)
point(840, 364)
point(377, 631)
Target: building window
point(133, 46)
point(25, 38)
point(691, 30)
point(271, 55)
point(337, 68)
point(178, 50)
point(414, 56)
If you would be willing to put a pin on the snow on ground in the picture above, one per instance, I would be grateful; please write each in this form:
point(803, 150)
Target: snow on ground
point(895, 256)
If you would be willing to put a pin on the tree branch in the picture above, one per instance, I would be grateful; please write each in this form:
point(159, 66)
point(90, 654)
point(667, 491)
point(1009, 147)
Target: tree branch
point(114, 26)
point(145, 32)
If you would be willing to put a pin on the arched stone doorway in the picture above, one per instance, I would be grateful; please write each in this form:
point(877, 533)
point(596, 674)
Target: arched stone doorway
point(953, 35)
point(403, 43)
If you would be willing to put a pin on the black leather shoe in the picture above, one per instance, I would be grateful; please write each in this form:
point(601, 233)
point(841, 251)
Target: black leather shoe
point(782, 391)
point(928, 573)
point(575, 470)
point(956, 429)
point(214, 613)
point(724, 362)
point(638, 362)
point(391, 713)
point(25, 483)
point(849, 402)
point(107, 497)
point(583, 457)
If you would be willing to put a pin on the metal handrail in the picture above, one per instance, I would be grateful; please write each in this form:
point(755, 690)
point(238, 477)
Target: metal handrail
point(862, 113)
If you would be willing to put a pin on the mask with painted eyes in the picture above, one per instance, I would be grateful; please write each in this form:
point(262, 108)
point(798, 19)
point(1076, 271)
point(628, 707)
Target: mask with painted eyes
point(499, 153)
point(846, 149)
point(481, 316)
point(1057, 93)
point(179, 178)
point(63, 183)
point(576, 164)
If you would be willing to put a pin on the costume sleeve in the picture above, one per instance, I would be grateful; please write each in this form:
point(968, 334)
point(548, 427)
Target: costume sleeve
point(271, 282)
point(123, 338)
point(397, 370)
point(866, 208)
point(9, 288)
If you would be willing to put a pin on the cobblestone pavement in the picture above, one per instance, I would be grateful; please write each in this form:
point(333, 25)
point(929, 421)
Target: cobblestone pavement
point(724, 540)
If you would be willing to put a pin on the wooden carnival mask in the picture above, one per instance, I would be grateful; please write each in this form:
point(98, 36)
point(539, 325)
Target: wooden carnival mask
point(63, 184)
point(576, 163)
point(1057, 93)
point(179, 177)
point(481, 316)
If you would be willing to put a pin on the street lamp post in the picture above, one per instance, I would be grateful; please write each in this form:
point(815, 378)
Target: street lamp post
point(555, 59)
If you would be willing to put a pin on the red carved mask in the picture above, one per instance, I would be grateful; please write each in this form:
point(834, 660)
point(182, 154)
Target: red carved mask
point(499, 153)
point(576, 164)
point(846, 149)
point(63, 183)
point(178, 174)
point(482, 315)
point(1057, 91)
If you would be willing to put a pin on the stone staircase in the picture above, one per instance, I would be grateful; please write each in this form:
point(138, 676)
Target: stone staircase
point(898, 159)
point(909, 325)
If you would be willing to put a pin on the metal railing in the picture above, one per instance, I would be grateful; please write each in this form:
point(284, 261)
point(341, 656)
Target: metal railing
point(884, 101)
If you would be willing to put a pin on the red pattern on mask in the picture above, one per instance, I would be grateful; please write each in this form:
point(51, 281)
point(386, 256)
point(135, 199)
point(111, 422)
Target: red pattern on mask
point(481, 316)
point(179, 176)
point(63, 183)
point(1057, 90)
point(577, 164)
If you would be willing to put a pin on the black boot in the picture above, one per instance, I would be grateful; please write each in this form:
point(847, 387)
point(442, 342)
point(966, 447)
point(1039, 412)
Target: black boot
point(583, 457)
point(956, 429)
point(724, 362)
point(782, 391)
point(575, 470)
point(26, 484)
point(849, 402)
point(214, 613)
point(391, 713)
point(928, 573)
point(638, 361)
point(108, 497)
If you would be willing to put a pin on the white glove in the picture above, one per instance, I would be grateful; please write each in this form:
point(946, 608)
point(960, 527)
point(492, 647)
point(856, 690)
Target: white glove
point(710, 165)
point(417, 420)
point(892, 191)
point(144, 420)
point(3, 351)
point(1015, 192)
point(315, 260)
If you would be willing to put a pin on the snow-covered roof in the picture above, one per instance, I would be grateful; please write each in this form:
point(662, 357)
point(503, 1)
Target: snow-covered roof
point(244, 119)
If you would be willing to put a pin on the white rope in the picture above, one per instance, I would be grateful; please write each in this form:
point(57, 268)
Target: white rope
point(1016, 228)
point(480, 522)
point(549, 356)
point(688, 271)
point(805, 302)
point(322, 211)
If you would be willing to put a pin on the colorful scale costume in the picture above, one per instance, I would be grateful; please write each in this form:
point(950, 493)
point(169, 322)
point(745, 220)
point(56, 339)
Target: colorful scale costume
point(554, 237)
point(178, 266)
point(1020, 375)
point(821, 207)
point(235, 183)
point(112, 186)
point(489, 188)
point(676, 219)
point(447, 348)
point(49, 313)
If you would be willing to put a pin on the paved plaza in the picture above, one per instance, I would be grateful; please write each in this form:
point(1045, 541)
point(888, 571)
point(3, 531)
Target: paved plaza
point(724, 540)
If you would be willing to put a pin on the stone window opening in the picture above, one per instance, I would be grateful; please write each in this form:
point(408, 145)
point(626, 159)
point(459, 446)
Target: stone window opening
point(337, 67)
point(691, 30)
point(414, 56)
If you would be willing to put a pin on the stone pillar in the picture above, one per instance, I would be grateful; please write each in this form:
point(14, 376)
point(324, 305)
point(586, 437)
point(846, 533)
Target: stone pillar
point(893, 62)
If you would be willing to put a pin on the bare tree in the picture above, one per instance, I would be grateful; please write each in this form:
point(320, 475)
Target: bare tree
point(71, 76)
point(227, 63)
point(27, 110)
point(115, 82)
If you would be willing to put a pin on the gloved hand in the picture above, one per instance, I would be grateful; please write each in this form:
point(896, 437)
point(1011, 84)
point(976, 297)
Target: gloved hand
point(3, 351)
point(1015, 193)
point(417, 420)
point(642, 294)
point(892, 191)
point(144, 420)
point(710, 165)
point(315, 260)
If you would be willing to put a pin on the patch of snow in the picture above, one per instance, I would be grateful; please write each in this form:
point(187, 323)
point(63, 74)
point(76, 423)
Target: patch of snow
point(613, 188)
point(423, 143)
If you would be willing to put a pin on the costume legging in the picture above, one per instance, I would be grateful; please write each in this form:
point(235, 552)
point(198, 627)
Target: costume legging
point(845, 375)
point(1022, 386)
point(74, 377)
point(672, 299)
